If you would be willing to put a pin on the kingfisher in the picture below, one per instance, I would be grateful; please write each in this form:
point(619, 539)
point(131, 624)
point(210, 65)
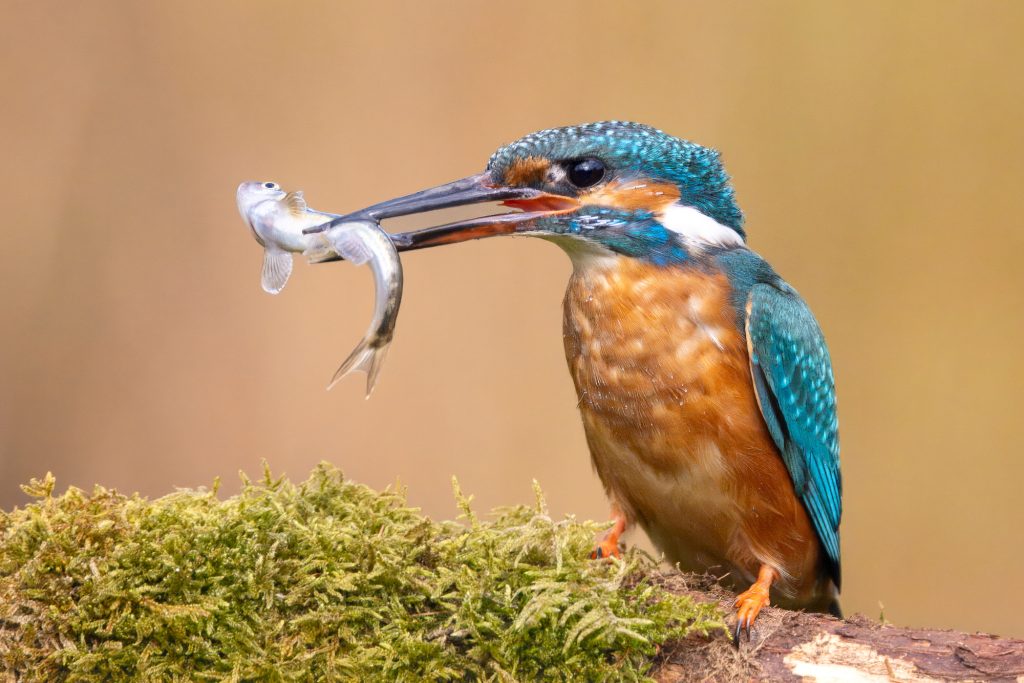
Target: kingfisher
point(704, 382)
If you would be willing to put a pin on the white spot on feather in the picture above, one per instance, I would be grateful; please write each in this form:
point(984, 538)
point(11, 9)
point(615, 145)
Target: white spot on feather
point(698, 230)
point(696, 304)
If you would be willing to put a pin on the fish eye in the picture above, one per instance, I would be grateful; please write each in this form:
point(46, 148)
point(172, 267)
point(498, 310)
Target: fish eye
point(585, 172)
point(272, 186)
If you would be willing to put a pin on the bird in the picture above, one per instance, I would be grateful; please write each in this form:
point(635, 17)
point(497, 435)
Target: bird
point(705, 385)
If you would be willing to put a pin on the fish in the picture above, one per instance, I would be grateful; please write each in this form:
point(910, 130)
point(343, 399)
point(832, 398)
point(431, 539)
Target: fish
point(277, 220)
point(362, 241)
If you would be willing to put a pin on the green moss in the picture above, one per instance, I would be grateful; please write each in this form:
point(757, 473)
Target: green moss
point(326, 580)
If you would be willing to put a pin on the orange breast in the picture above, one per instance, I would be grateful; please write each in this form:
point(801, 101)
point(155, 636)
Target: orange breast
point(663, 377)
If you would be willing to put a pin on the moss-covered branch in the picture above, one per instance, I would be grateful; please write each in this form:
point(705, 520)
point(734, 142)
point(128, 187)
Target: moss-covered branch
point(323, 580)
point(330, 580)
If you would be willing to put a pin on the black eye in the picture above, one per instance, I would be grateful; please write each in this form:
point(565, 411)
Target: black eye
point(270, 186)
point(585, 172)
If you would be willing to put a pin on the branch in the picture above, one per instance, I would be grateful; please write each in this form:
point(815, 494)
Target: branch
point(795, 646)
point(329, 579)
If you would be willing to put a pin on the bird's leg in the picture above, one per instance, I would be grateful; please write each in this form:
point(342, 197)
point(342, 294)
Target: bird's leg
point(752, 600)
point(608, 543)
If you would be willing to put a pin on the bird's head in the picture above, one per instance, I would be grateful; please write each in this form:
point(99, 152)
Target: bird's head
point(619, 186)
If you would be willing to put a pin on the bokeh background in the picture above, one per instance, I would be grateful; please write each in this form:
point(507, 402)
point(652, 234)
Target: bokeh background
point(876, 147)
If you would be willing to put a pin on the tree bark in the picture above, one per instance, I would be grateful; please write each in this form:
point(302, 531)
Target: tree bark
point(799, 646)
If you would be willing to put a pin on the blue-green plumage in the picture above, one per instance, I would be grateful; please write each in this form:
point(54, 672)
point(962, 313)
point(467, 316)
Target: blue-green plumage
point(792, 374)
point(636, 233)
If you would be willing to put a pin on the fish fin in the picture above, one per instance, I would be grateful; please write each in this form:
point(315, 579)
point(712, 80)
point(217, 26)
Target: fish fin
point(319, 251)
point(366, 358)
point(314, 256)
point(349, 246)
point(277, 267)
point(296, 203)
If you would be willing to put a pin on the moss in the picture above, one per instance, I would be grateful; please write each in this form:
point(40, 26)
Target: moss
point(325, 580)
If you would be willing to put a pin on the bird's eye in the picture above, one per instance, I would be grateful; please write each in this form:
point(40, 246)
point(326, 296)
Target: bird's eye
point(585, 172)
point(270, 186)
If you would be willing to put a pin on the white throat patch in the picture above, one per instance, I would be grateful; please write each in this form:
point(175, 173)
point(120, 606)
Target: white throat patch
point(698, 230)
point(583, 253)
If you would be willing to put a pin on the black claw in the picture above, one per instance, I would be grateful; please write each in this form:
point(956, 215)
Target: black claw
point(743, 626)
point(598, 553)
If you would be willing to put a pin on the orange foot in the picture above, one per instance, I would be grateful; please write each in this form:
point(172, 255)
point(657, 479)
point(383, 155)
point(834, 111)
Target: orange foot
point(751, 601)
point(608, 545)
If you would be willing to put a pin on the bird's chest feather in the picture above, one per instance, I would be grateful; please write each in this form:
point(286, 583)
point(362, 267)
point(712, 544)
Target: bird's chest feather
point(662, 374)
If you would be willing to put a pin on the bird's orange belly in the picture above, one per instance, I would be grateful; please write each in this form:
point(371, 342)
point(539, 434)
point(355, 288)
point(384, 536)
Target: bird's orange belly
point(662, 373)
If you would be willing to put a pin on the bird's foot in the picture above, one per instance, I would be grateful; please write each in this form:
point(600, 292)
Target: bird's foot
point(606, 547)
point(608, 544)
point(750, 603)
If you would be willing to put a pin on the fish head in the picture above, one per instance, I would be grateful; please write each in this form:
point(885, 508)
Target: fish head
point(251, 194)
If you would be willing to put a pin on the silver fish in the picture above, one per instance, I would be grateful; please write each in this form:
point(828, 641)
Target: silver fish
point(277, 219)
point(359, 242)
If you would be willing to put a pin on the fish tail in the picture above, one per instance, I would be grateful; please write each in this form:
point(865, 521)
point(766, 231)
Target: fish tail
point(367, 358)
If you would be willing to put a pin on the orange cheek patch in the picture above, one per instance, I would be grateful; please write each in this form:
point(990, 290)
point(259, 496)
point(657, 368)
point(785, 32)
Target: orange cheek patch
point(527, 171)
point(633, 194)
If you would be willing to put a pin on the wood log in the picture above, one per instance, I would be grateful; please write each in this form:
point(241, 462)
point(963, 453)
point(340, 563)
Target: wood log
point(800, 646)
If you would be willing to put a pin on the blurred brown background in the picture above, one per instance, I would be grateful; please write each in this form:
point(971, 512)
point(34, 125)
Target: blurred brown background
point(877, 150)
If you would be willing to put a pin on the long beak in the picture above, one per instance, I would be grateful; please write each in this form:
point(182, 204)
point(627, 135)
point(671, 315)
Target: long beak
point(472, 190)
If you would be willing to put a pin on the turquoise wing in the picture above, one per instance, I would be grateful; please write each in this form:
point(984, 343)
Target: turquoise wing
point(792, 373)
